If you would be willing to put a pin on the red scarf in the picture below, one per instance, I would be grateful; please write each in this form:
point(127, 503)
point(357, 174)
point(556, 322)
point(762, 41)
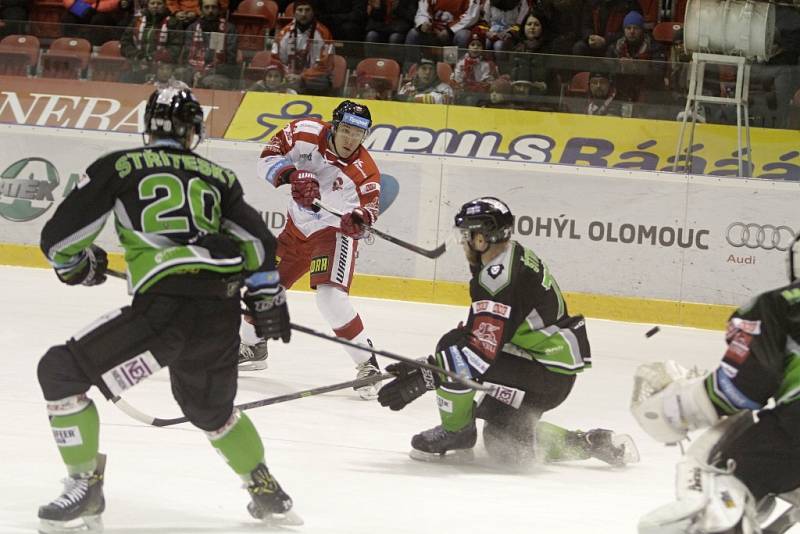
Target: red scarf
point(197, 52)
point(141, 41)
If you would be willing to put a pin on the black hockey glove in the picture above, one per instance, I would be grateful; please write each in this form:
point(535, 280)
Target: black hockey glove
point(411, 383)
point(266, 301)
point(87, 268)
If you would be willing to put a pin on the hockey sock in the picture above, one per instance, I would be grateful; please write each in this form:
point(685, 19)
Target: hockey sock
point(76, 429)
point(239, 443)
point(556, 444)
point(334, 305)
point(455, 407)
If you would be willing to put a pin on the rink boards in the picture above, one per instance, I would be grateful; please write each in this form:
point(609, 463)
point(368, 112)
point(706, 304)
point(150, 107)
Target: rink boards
point(630, 245)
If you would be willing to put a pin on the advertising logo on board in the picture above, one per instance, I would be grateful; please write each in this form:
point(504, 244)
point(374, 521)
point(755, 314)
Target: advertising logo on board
point(26, 189)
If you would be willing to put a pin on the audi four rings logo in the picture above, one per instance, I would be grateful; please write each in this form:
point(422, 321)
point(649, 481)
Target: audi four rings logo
point(764, 236)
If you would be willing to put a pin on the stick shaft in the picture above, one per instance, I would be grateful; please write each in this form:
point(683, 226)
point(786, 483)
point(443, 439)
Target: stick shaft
point(458, 378)
point(433, 254)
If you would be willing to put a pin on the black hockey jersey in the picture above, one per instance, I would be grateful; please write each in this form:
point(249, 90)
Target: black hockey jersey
point(763, 356)
point(165, 199)
point(517, 307)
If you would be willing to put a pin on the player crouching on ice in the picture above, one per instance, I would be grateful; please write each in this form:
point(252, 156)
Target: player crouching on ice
point(519, 336)
point(184, 314)
point(730, 475)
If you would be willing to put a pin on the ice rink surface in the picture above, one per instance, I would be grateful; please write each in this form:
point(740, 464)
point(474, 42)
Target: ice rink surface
point(344, 461)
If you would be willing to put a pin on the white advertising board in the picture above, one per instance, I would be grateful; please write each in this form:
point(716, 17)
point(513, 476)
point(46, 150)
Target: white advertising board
point(603, 231)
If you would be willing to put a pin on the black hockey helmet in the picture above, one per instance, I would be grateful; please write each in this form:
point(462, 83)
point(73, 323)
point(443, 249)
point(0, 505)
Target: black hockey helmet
point(352, 113)
point(794, 259)
point(173, 112)
point(488, 215)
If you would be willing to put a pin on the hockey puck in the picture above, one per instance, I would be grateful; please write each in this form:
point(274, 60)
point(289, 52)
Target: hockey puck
point(653, 331)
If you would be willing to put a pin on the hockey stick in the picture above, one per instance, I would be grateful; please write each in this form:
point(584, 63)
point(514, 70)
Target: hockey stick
point(417, 363)
point(433, 254)
point(157, 421)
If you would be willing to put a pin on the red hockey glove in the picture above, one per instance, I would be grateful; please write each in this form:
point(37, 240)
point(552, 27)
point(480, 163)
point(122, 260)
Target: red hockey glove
point(305, 188)
point(352, 224)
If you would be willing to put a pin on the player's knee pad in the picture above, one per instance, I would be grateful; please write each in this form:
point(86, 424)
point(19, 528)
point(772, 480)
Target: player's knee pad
point(677, 407)
point(60, 376)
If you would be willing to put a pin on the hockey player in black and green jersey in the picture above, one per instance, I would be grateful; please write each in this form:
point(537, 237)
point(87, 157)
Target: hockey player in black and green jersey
point(729, 477)
point(189, 240)
point(520, 336)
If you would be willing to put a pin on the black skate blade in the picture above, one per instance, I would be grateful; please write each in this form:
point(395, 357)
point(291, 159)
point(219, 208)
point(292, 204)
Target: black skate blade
point(456, 456)
point(87, 523)
point(286, 519)
point(253, 366)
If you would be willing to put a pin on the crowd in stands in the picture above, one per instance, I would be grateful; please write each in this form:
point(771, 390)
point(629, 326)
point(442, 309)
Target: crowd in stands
point(598, 57)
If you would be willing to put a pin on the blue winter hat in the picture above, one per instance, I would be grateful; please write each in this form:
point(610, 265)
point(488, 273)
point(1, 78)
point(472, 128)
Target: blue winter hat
point(634, 18)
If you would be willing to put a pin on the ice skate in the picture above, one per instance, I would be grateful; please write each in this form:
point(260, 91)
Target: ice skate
point(614, 449)
point(366, 370)
point(433, 445)
point(270, 503)
point(79, 508)
point(253, 357)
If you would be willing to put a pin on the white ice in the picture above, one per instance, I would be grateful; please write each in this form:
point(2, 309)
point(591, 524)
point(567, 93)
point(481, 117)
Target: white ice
point(344, 461)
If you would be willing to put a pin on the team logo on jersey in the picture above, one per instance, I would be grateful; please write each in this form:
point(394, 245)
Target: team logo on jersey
point(490, 306)
point(319, 265)
point(306, 157)
point(487, 334)
point(495, 270)
point(738, 347)
point(26, 189)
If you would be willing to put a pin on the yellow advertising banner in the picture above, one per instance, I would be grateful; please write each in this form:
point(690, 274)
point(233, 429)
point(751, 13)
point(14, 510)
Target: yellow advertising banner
point(516, 135)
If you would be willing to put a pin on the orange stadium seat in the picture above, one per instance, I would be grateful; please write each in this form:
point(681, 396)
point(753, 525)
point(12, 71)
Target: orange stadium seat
point(258, 65)
point(379, 69)
point(19, 55)
point(108, 65)
point(46, 18)
point(253, 20)
point(579, 85)
point(67, 57)
point(339, 74)
point(445, 72)
point(285, 18)
point(664, 32)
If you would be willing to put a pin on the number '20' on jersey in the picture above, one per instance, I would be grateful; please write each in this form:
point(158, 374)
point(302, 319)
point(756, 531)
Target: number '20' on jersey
point(163, 198)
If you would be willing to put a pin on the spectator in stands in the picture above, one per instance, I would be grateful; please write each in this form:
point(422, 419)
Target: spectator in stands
point(633, 49)
point(425, 86)
point(602, 96)
point(274, 81)
point(14, 13)
point(388, 21)
point(369, 88)
point(164, 72)
point(444, 22)
point(602, 26)
point(186, 12)
point(533, 39)
point(210, 47)
point(501, 94)
point(81, 15)
point(474, 73)
point(503, 20)
point(563, 22)
point(304, 46)
point(345, 18)
point(152, 31)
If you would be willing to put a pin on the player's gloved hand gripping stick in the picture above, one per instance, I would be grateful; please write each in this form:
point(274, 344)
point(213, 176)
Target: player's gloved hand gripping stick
point(433, 254)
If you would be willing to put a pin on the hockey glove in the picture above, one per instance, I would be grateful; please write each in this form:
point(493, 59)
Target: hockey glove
point(87, 268)
point(265, 299)
point(411, 383)
point(353, 223)
point(305, 188)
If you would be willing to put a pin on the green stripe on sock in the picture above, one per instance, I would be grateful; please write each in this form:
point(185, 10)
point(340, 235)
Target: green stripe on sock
point(455, 408)
point(241, 446)
point(77, 437)
point(553, 444)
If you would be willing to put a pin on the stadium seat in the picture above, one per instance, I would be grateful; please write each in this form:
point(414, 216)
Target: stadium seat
point(253, 20)
point(579, 85)
point(664, 32)
point(108, 65)
point(380, 69)
point(339, 75)
point(19, 55)
point(445, 72)
point(67, 57)
point(258, 65)
point(285, 18)
point(45, 16)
